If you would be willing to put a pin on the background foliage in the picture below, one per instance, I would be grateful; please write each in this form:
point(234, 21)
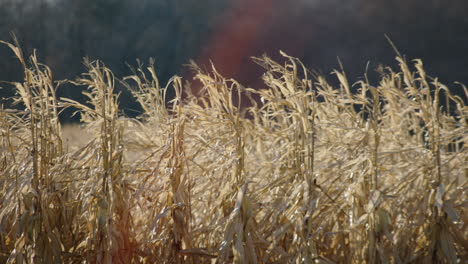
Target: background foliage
point(174, 31)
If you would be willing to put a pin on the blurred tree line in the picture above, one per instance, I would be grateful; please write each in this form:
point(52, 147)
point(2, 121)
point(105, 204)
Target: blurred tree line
point(174, 31)
point(114, 31)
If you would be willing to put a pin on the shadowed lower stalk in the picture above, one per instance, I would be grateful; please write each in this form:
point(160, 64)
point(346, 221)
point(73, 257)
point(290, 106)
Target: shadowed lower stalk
point(374, 194)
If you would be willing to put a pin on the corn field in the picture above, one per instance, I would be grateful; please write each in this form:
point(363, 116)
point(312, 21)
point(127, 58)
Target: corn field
point(301, 172)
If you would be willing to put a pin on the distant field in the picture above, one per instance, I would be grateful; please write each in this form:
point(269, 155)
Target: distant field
point(303, 172)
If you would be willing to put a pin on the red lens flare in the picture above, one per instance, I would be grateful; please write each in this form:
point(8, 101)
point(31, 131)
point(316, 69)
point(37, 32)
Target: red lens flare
point(237, 38)
point(252, 28)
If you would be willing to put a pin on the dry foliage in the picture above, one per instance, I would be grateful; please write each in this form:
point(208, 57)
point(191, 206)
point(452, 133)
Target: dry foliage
point(312, 174)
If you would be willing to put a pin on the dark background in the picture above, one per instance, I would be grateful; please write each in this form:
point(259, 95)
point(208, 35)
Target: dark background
point(228, 32)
